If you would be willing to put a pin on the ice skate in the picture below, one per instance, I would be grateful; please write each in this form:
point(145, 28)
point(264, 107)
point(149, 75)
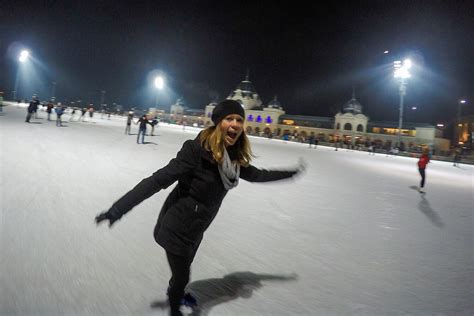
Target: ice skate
point(188, 302)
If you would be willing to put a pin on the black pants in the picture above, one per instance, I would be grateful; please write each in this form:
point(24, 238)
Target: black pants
point(180, 272)
point(422, 174)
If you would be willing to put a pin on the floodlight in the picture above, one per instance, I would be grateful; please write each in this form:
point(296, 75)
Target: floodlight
point(159, 82)
point(24, 56)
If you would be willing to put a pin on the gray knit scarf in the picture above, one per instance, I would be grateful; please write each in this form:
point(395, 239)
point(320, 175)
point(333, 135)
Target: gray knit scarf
point(229, 171)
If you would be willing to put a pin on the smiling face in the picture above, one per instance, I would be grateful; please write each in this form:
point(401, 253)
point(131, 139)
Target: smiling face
point(231, 127)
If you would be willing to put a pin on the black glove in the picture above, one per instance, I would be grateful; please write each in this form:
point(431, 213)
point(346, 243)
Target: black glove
point(105, 216)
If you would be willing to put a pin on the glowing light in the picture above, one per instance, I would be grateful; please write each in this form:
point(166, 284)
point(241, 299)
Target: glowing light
point(159, 82)
point(401, 70)
point(407, 63)
point(24, 56)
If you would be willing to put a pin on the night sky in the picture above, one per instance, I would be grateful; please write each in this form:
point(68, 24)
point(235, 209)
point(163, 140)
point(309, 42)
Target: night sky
point(311, 56)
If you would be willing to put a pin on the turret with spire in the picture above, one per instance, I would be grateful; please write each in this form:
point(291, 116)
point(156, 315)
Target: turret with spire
point(246, 94)
point(352, 106)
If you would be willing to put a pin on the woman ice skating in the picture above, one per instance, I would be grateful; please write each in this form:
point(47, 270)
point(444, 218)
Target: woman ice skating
point(206, 168)
point(422, 162)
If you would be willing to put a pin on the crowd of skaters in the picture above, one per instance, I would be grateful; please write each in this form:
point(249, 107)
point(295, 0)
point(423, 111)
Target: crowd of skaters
point(145, 120)
point(60, 109)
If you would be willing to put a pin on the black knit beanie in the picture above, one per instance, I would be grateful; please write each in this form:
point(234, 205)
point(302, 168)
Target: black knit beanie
point(225, 108)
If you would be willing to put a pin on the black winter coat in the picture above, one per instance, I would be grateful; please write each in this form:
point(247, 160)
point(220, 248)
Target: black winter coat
point(192, 205)
point(33, 107)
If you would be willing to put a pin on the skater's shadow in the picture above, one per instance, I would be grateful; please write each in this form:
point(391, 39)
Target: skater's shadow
point(34, 122)
point(212, 292)
point(425, 207)
point(149, 143)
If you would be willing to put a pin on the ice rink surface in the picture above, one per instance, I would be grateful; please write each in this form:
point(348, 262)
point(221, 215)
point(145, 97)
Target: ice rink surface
point(350, 237)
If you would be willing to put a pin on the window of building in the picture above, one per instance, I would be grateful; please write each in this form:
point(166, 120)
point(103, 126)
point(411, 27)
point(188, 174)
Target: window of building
point(348, 127)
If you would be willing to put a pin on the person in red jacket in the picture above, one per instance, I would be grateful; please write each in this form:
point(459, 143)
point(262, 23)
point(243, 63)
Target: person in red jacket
point(422, 162)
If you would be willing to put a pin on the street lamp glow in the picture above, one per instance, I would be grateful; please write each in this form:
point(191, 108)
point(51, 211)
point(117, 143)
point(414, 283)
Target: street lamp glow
point(458, 118)
point(407, 63)
point(401, 70)
point(24, 56)
point(159, 82)
point(401, 73)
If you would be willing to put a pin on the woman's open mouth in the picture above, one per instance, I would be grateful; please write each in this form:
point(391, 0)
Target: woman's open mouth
point(232, 135)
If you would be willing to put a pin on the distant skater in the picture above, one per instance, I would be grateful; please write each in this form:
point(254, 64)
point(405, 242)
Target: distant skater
point(49, 109)
point(143, 121)
point(372, 148)
point(32, 108)
point(456, 158)
point(205, 168)
point(1, 101)
point(73, 113)
point(422, 162)
point(129, 123)
point(91, 111)
point(312, 140)
point(154, 122)
point(83, 115)
point(59, 112)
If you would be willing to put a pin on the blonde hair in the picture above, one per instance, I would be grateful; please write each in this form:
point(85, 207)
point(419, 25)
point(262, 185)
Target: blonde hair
point(212, 139)
point(426, 150)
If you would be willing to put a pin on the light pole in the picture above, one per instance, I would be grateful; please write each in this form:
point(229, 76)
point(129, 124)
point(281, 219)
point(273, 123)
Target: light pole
point(102, 105)
point(402, 74)
point(53, 90)
point(159, 84)
point(102, 98)
point(458, 121)
point(22, 58)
